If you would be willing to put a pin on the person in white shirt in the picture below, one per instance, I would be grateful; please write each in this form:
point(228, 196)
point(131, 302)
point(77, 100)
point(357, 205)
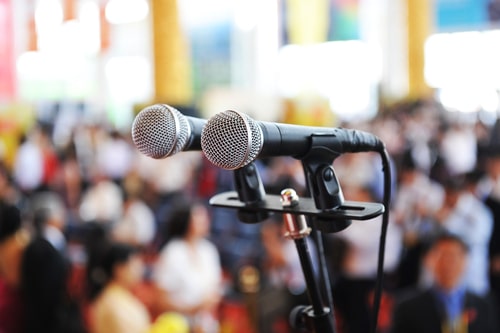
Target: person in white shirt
point(137, 226)
point(188, 270)
point(459, 138)
point(102, 201)
point(28, 164)
point(114, 156)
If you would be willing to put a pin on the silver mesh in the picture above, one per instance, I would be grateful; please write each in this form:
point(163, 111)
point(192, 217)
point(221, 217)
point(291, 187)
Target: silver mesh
point(160, 130)
point(231, 140)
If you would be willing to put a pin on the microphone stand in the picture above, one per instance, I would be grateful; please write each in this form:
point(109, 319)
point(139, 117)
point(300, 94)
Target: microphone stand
point(327, 211)
point(306, 207)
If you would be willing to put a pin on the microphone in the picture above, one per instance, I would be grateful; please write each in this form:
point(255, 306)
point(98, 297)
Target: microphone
point(160, 130)
point(231, 140)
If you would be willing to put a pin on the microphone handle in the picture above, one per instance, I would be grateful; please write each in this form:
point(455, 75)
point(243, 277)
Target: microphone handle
point(284, 140)
point(196, 125)
point(296, 141)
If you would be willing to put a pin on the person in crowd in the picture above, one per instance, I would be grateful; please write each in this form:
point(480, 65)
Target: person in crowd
point(35, 278)
point(50, 159)
point(8, 191)
point(114, 308)
point(47, 304)
point(85, 140)
point(102, 201)
point(460, 137)
point(28, 169)
point(114, 156)
point(188, 270)
point(49, 218)
point(447, 306)
point(13, 241)
point(418, 197)
point(137, 225)
point(462, 213)
point(71, 184)
point(490, 190)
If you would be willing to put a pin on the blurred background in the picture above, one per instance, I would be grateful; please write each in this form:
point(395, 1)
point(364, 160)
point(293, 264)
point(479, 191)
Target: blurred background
point(105, 59)
point(422, 75)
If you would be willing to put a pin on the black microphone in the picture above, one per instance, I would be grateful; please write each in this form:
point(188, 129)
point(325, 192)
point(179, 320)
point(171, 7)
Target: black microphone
point(231, 140)
point(160, 130)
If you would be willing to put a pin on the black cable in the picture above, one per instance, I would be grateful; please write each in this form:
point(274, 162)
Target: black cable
point(386, 168)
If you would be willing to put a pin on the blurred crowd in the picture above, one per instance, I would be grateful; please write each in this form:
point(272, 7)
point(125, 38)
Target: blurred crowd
point(105, 239)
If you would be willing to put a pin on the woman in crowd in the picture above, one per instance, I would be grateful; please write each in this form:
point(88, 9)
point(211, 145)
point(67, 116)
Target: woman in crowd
point(188, 270)
point(115, 309)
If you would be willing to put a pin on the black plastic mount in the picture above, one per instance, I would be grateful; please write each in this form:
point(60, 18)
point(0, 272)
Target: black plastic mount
point(349, 210)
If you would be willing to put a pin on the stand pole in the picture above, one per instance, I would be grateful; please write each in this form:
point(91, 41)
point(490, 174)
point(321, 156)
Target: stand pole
point(296, 228)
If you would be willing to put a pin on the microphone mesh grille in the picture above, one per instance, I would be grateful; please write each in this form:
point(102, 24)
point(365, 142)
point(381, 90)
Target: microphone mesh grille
point(231, 140)
point(159, 131)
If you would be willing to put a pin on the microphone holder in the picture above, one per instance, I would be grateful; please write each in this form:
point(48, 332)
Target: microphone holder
point(323, 185)
point(349, 210)
point(326, 206)
point(250, 191)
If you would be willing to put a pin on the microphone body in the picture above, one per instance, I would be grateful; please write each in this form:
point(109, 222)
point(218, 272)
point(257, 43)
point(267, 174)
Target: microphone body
point(159, 131)
point(231, 140)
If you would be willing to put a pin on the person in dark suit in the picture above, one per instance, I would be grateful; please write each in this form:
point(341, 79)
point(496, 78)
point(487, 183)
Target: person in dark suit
point(33, 282)
point(445, 307)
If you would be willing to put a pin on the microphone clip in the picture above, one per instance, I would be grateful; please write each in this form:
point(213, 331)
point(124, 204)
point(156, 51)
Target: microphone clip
point(251, 192)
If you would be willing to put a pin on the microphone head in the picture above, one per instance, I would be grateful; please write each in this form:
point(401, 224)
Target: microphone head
point(160, 130)
point(231, 140)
